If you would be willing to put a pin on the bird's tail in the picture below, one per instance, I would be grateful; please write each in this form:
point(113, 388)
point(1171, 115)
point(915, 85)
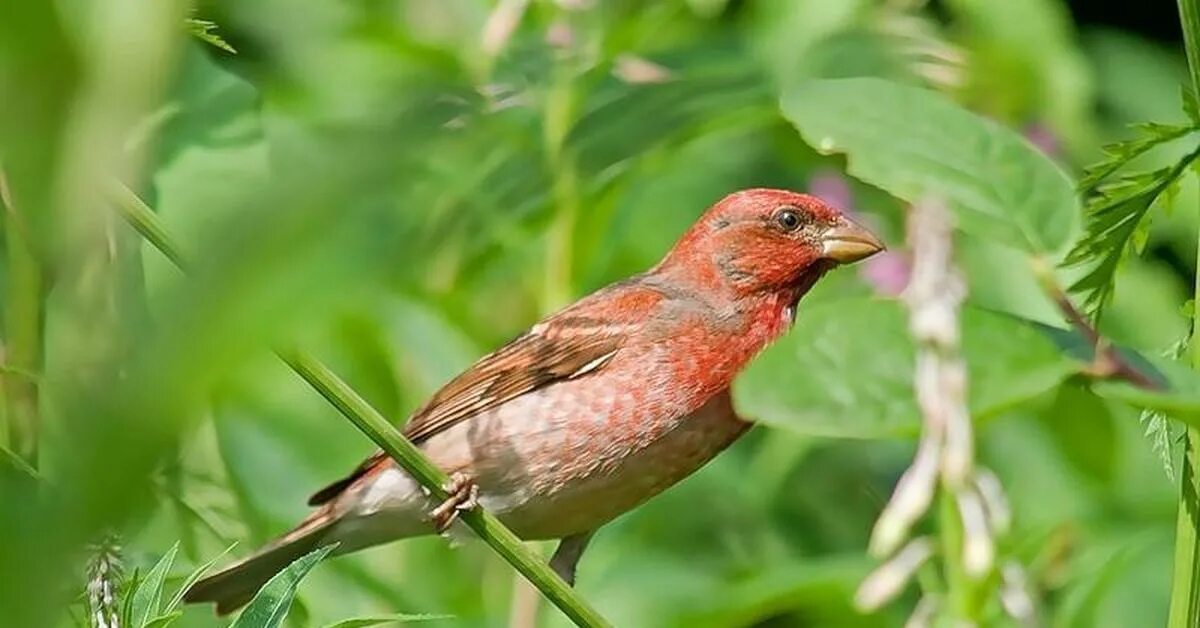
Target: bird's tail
point(234, 586)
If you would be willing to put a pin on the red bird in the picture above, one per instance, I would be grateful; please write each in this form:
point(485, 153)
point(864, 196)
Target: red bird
point(598, 407)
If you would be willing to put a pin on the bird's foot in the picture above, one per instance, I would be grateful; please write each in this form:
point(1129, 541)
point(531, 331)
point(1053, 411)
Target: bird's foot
point(463, 496)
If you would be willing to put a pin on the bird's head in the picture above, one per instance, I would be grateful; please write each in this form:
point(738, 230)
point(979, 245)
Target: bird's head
point(767, 240)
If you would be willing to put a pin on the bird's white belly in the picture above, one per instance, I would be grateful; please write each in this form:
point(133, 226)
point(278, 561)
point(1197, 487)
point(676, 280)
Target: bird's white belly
point(568, 502)
point(545, 481)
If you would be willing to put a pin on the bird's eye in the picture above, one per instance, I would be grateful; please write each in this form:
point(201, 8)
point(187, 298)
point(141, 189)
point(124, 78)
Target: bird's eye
point(789, 219)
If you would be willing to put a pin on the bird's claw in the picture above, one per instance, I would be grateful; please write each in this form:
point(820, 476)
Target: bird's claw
point(463, 496)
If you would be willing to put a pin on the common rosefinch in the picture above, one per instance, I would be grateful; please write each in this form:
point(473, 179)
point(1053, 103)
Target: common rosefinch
point(598, 407)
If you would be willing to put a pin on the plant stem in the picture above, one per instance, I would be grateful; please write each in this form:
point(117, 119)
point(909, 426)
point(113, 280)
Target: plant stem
point(558, 114)
point(1185, 579)
point(958, 585)
point(22, 333)
point(143, 219)
point(1185, 587)
point(372, 423)
point(1189, 17)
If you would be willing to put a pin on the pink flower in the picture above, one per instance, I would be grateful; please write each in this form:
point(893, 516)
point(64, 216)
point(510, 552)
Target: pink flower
point(886, 272)
point(1044, 138)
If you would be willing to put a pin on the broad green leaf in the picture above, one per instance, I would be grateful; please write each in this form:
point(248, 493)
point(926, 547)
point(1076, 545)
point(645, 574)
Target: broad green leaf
point(379, 620)
point(147, 596)
point(847, 370)
point(1081, 426)
point(1116, 578)
point(270, 605)
point(914, 144)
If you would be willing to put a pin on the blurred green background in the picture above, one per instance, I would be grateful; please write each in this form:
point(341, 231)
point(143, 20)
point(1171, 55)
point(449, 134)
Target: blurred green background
point(403, 185)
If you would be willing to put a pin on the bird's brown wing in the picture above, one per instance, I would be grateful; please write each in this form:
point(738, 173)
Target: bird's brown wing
point(578, 342)
point(540, 357)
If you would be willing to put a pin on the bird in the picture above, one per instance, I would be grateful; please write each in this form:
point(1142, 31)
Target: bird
point(598, 407)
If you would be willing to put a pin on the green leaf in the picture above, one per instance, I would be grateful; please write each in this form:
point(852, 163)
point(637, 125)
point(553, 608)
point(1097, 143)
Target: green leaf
point(270, 605)
point(1190, 105)
point(1117, 207)
point(1101, 568)
point(707, 8)
point(914, 144)
point(204, 31)
point(17, 462)
point(148, 594)
point(1114, 215)
point(164, 620)
point(1117, 155)
point(1019, 51)
point(130, 585)
point(1179, 399)
point(1178, 387)
point(1116, 212)
point(847, 370)
point(362, 622)
point(1081, 426)
point(196, 574)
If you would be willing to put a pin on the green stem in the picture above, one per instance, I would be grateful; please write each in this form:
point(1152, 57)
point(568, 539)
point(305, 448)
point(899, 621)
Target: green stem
point(1189, 17)
point(143, 219)
point(22, 333)
point(964, 594)
point(1185, 587)
point(557, 117)
point(372, 423)
point(1184, 581)
point(952, 545)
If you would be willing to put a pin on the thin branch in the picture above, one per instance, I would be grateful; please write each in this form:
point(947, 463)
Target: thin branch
point(1108, 362)
point(143, 219)
point(372, 423)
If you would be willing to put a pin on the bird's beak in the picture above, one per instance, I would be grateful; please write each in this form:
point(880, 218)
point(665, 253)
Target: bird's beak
point(848, 241)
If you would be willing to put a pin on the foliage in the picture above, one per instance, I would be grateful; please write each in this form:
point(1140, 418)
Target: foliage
point(1117, 205)
point(205, 31)
point(1011, 363)
point(270, 605)
point(922, 145)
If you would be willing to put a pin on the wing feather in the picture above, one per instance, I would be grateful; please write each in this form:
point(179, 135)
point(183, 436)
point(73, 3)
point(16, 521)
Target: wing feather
point(536, 359)
point(578, 342)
